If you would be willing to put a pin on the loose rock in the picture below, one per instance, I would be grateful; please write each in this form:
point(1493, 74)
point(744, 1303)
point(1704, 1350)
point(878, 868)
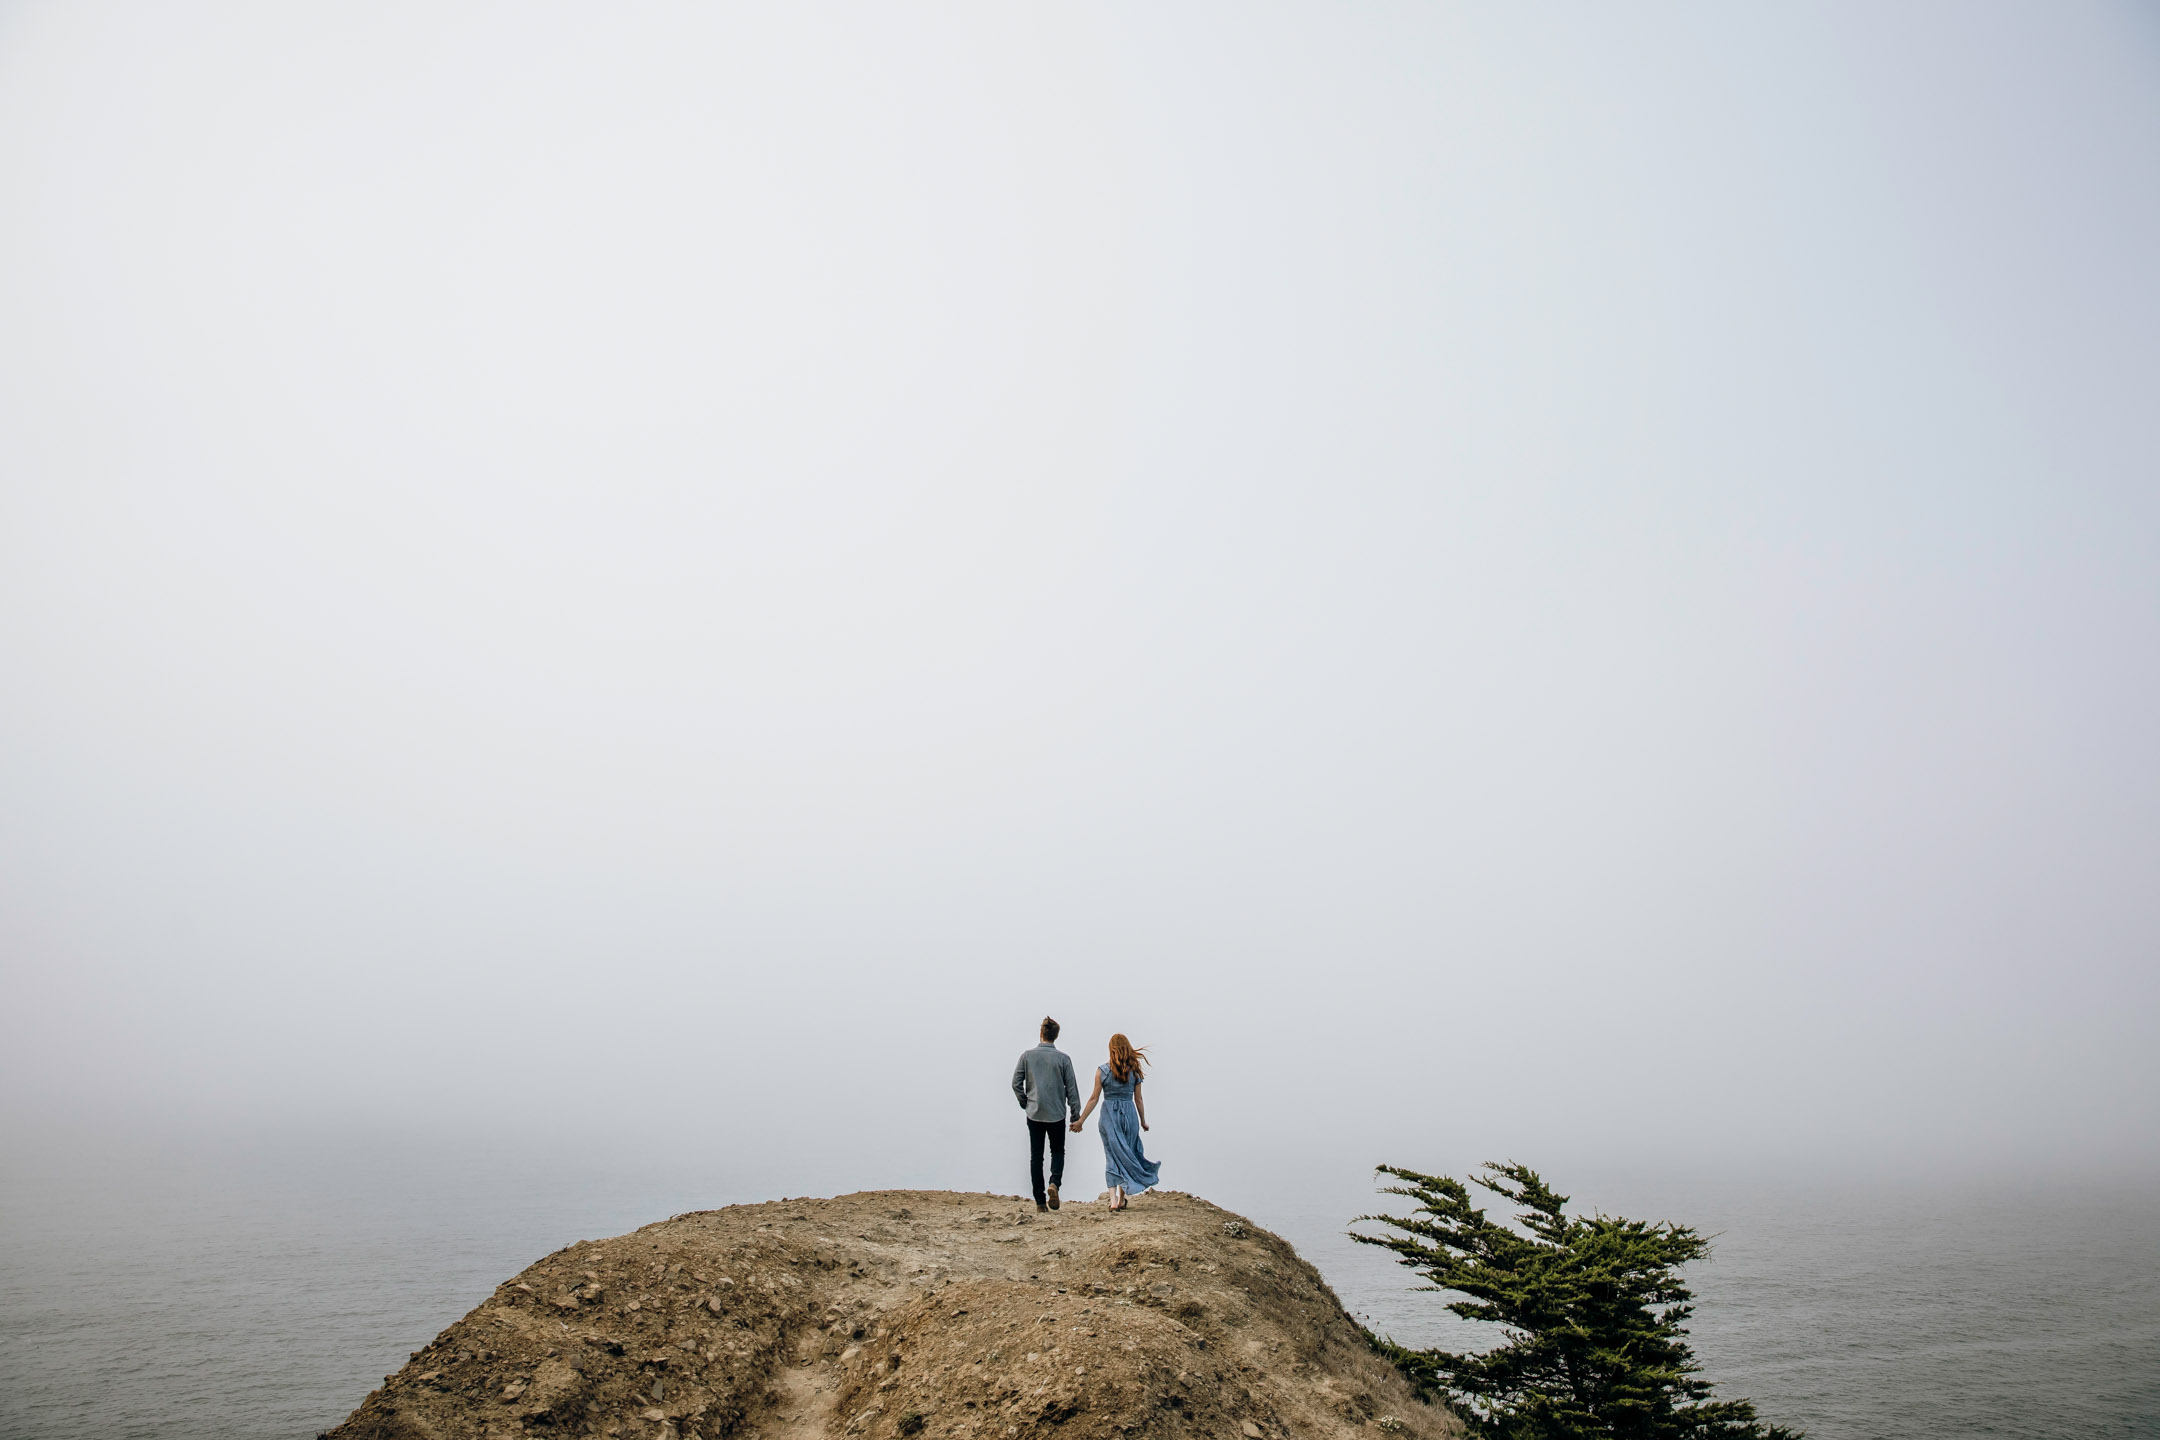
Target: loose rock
point(1167, 1321)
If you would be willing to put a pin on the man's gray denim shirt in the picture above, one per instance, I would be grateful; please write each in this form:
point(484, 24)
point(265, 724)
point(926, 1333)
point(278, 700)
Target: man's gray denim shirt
point(1043, 1081)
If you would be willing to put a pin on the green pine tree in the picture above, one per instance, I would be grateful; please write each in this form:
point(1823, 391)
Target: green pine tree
point(1592, 1309)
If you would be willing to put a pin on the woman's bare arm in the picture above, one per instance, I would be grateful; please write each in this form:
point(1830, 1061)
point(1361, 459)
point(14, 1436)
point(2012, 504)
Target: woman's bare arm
point(1137, 1103)
point(1082, 1121)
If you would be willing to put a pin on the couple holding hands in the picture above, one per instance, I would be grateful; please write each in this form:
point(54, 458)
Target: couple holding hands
point(1044, 1084)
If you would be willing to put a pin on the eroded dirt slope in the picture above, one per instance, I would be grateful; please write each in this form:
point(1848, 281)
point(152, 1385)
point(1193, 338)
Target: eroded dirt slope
point(899, 1314)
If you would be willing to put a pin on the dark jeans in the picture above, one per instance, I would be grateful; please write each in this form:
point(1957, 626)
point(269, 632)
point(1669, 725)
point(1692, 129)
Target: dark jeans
point(1054, 1132)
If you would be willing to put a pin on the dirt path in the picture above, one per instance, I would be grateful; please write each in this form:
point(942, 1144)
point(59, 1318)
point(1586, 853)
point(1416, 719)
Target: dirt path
point(802, 1406)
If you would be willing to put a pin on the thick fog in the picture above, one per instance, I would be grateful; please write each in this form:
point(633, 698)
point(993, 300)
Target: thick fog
point(1553, 581)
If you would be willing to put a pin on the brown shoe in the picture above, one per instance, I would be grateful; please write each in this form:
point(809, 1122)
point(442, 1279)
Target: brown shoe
point(1053, 1197)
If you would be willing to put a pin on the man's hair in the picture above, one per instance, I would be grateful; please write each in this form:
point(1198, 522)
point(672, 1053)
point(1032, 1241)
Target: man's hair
point(1049, 1028)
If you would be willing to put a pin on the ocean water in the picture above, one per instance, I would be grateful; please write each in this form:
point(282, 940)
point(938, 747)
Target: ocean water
point(1874, 1315)
point(259, 1294)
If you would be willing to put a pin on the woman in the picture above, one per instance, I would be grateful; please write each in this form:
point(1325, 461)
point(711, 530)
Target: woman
point(1124, 1116)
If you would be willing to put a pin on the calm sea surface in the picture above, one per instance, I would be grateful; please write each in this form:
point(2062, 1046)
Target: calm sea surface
point(264, 1294)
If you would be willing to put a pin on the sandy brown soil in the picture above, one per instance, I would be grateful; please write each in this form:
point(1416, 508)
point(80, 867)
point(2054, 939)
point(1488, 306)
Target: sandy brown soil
point(902, 1313)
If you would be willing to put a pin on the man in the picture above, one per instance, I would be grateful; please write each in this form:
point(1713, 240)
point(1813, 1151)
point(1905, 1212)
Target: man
point(1044, 1084)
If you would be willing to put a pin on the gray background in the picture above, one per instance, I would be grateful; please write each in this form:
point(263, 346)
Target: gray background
point(1537, 580)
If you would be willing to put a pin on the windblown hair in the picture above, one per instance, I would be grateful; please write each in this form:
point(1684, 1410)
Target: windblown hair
point(1049, 1028)
point(1126, 1061)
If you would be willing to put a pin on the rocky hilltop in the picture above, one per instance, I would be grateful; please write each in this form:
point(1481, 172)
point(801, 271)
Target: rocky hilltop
point(910, 1313)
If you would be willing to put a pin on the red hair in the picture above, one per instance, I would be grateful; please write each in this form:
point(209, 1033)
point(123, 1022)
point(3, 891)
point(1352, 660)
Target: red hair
point(1125, 1061)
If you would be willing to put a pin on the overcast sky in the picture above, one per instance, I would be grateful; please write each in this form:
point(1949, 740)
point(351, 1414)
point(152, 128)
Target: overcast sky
point(1554, 580)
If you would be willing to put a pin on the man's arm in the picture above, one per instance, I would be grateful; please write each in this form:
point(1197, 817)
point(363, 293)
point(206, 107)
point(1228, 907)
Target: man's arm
point(1072, 1088)
point(1020, 1080)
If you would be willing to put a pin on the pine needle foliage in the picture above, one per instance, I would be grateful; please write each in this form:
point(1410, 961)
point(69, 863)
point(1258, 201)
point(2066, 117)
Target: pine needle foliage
point(1591, 1307)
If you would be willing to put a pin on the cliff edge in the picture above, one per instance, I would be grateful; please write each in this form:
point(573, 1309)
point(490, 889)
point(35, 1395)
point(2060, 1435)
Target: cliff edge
point(904, 1313)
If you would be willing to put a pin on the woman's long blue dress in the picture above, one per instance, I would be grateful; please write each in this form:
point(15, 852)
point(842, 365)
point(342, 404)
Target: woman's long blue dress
point(1124, 1162)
